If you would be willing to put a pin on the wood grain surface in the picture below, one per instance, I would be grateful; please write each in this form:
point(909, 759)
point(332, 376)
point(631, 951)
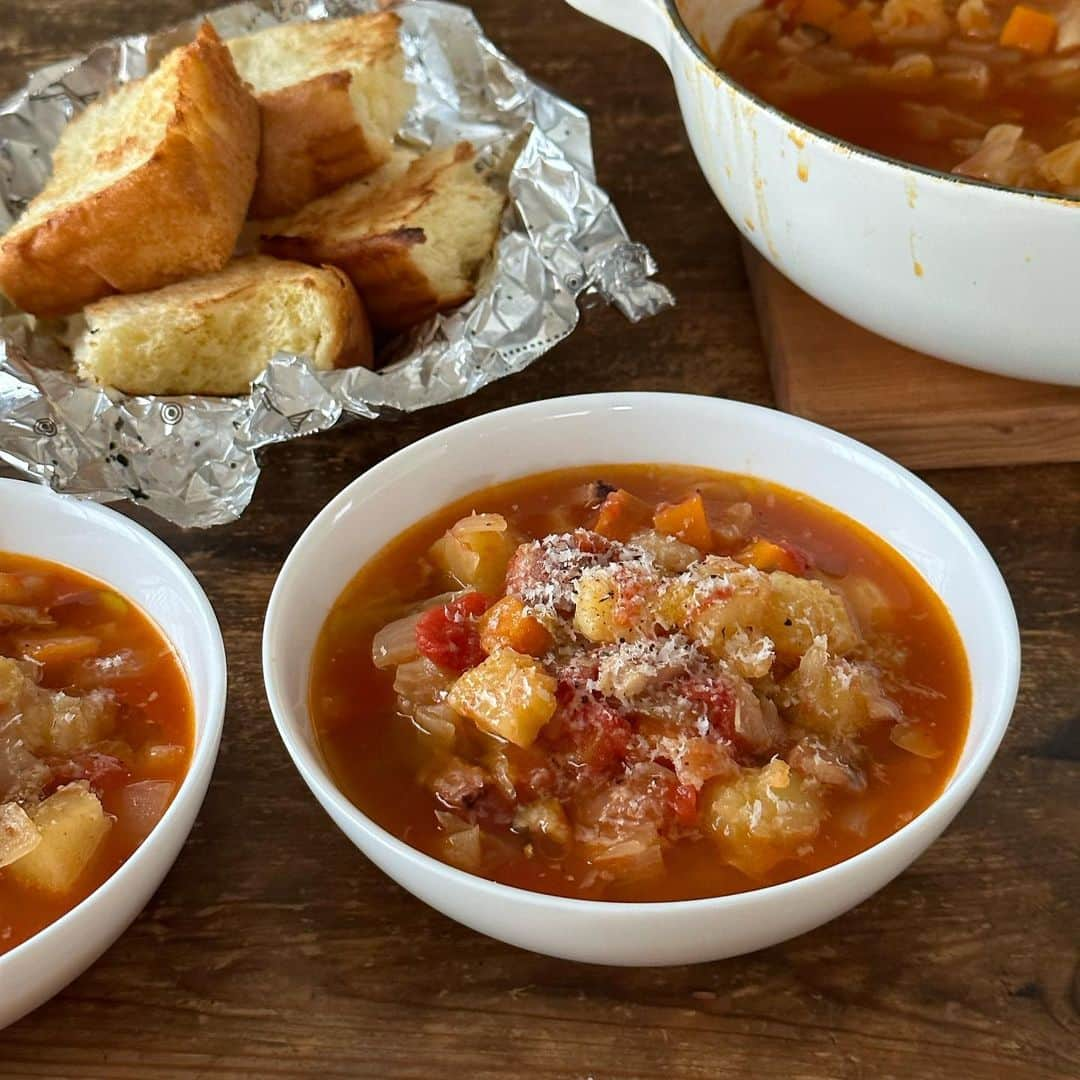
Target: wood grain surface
point(923, 412)
point(274, 949)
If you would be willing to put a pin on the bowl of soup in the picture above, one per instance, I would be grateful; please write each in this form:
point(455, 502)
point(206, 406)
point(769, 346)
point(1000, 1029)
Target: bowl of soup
point(112, 693)
point(640, 678)
point(912, 164)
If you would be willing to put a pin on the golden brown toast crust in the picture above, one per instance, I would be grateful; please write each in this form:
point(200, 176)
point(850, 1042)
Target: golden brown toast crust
point(177, 214)
point(396, 293)
point(312, 141)
point(311, 144)
point(357, 346)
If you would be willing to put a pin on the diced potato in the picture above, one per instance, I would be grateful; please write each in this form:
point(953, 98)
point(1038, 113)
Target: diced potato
point(78, 722)
point(509, 695)
point(161, 759)
point(791, 611)
point(18, 834)
point(832, 696)
point(72, 825)
point(476, 551)
point(595, 608)
point(762, 817)
point(508, 625)
point(869, 602)
point(671, 555)
point(51, 722)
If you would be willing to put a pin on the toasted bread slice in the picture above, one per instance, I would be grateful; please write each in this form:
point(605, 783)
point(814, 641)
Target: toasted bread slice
point(149, 185)
point(332, 95)
point(412, 242)
point(214, 334)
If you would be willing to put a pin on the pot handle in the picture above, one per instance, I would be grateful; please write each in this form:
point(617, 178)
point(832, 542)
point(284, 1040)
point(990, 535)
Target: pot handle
point(642, 19)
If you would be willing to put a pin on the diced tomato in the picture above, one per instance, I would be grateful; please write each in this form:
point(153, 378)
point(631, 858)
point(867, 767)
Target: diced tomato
point(449, 635)
point(103, 771)
point(683, 801)
point(596, 736)
point(718, 701)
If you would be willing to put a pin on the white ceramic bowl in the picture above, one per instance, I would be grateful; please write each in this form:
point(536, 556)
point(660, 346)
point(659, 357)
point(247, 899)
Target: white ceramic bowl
point(970, 272)
point(107, 546)
point(667, 428)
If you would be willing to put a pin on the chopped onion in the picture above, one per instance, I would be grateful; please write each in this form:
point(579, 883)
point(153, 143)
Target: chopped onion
point(420, 682)
point(451, 823)
point(915, 741)
point(395, 643)
point(464, 849)
point(631, 860)
point(438, 721)
point(18, 834)
point(479, 523)
point(143, 804)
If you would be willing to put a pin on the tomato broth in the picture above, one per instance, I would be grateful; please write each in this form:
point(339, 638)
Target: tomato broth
point(452, 790)
point(96, 735)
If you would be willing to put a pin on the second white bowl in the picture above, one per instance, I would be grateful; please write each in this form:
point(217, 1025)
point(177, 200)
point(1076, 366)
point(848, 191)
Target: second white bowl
point(625, 428)
point(108, 546)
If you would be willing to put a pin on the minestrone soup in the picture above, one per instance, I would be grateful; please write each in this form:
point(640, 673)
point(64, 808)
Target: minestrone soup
point(639, 683)
point(983, 88)
point(96, 732)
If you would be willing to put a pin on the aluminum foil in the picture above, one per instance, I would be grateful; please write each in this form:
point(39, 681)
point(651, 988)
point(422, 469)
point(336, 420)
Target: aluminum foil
point(193, 460)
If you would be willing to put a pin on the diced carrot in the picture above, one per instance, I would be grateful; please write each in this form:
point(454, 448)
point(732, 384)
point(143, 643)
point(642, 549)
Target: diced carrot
point(621, 515)
point(687, 521)
point(765, 555)
point(853, 30)
point(508, 625)
point(1030, 30)
point(58, 650)
point(820, 13)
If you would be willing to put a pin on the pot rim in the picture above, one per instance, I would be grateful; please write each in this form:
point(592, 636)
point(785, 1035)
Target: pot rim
point(691, 42)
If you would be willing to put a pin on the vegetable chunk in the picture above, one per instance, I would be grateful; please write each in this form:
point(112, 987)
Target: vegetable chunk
point(790, 611)
point(763, 816)
point(475, 552)
point(72, 825)
point(833, 696)
point(509, 625)
point(509, 695)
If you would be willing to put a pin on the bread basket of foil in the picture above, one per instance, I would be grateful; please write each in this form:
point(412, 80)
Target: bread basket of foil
point(194, 459)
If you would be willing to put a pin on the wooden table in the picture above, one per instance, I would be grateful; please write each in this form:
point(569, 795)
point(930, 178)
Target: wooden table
point(274, 949)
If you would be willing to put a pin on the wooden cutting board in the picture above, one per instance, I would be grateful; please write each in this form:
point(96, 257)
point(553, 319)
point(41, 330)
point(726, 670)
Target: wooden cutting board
point(923, 412)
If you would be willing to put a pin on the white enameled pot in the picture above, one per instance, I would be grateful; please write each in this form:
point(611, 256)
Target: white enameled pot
point(969, 272)
point(620, 428)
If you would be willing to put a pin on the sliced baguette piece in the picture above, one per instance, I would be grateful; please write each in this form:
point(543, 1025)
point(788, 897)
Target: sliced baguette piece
point(411, 241)
point(332, 95)
point(213, 334)
point(149, 185)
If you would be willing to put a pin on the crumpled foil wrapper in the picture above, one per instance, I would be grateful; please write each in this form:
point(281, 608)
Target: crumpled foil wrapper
point(193, 460)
